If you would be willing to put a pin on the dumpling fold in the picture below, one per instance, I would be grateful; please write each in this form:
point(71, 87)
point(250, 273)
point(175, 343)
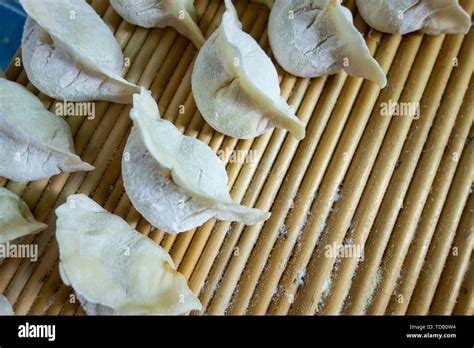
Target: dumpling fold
point(16, 219)
point(432, 17)
point(236, 86)
point(176, 182)
point(115, 269)
point(34, 143)
point(312, 38)
point(179, 14)
point(70, 54)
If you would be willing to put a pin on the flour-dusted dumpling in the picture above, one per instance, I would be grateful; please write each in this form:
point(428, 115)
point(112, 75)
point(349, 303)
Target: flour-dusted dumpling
point(16, 219)
point(70, 54)
point(236, 87)
point(311, 38)
point(5, 307)
point(34, 143)
point(176, 182)
point(405, 16)
point(179, 14)
point(269, 3)
point(115, 269)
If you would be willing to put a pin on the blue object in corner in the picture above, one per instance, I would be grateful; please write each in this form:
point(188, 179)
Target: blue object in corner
point(12, 20)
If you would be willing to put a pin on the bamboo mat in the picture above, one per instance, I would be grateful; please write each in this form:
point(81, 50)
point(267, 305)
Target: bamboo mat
point(399, 187)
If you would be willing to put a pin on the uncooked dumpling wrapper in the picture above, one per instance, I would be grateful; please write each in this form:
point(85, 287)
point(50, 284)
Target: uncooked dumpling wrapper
point(312, 38)
point(16, 219)
point(115, 269)
point(432, 17)
point(34, 143)
point(70, 54)
point(179, 14)
point(5, 307)
point(176, 182)
point(236, 87)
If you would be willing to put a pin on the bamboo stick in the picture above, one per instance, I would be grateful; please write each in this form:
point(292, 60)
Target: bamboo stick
point(443, 237)
point(382, 228)
point(328, 189)
point(339, 221)
point(415, 198)
point(457, 264)
point(464, 303)
point(432, 210)
point(289, 189)
point(371, 200)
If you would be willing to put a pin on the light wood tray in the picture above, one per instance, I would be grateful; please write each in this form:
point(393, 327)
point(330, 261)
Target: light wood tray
point(398, 187)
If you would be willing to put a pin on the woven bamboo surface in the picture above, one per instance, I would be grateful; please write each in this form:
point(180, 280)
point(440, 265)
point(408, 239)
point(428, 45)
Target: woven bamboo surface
point(400, 187)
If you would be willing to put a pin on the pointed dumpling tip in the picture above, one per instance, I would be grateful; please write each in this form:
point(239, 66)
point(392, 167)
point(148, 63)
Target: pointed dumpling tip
point(144, 103)
point(189, 28)
point(75, 164)
point(451, 20)
point(366, 66)
point(296, 127)
point(231, 14)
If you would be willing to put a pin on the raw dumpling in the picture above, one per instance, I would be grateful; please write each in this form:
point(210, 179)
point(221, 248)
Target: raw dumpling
point(34, 143)
point(70, 54)
point(269, 3)
point(236, 85)
point(16, 219)
point(405, 16)
point(179, 14)
point(115, 269)
point(176, 182)
point(311, 38)
point(5, 306)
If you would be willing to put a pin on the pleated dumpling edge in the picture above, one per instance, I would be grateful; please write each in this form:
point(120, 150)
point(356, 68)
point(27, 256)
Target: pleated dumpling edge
point(432, 17)
point(66, 62)
point(312, 38)
point(115, 269)
point(180, 15)
point(236, 86)
point(177, 182)
point(34, 143)
point(16, 219)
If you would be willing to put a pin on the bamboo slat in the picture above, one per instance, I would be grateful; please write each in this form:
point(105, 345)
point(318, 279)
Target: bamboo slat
point(432, 210)
point(375, 134)
point(457, 264)
point(396, 186)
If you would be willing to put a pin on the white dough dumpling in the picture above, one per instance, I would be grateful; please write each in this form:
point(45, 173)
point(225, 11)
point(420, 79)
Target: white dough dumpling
point(432, 17)
point(312, 38)
point(179, 14)
point(115, 269)
point(176, 182)
point(70, 54)
point(16, 219)
point(236, 86)
point(34, 143)
point(5, 307)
